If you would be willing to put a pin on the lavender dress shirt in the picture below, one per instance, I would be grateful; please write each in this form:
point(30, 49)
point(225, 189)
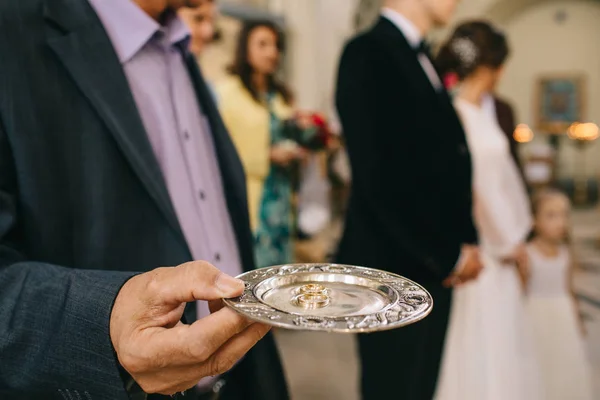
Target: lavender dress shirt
point(151, 55)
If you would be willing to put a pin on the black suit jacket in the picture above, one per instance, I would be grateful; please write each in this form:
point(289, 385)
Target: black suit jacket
point(82, 199)
point(410, 203)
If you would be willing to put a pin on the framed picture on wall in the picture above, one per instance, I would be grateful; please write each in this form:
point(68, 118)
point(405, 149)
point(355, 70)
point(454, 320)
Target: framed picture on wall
point(560, 102)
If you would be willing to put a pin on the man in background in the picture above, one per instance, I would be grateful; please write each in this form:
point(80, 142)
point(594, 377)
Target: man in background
point(200, 20)
point(411, 203)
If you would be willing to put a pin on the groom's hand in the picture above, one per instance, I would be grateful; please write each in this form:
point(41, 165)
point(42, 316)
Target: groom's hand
point(468, 269)
point(162, 354)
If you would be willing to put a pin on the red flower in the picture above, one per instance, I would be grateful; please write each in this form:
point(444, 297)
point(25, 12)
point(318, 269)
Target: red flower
point(323, 135)
point(319, 120)
point(450, 80)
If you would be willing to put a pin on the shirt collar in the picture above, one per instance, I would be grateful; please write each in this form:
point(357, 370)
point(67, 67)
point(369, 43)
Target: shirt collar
point(408, 29)
point(130, 28)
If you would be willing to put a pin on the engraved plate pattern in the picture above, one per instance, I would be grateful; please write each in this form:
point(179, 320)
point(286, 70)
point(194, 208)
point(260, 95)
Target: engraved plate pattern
point(413, 301)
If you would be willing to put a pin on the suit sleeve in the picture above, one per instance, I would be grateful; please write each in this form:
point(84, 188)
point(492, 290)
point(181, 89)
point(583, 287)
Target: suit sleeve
point(54, 321)
point(384, 155)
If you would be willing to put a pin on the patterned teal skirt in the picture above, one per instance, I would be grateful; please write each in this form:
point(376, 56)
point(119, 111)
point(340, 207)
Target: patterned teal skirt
point(272, 239)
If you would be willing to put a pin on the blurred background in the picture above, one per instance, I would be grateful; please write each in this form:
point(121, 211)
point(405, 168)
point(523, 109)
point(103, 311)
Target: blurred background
point(552, 81)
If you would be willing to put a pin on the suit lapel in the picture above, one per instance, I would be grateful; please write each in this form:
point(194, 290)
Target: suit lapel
point(88, 55)
point(405, 57)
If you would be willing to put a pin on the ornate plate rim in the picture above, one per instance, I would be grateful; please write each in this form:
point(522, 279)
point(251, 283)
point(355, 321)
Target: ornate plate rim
point(356, 324)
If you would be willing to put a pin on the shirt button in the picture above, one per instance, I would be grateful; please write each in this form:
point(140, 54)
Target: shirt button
point(217, 257)
point(186, 135)
point(202, 195)
point(462, 149)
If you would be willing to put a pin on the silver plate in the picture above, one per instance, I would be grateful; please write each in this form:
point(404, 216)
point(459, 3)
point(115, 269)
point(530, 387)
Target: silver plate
point(331, 297)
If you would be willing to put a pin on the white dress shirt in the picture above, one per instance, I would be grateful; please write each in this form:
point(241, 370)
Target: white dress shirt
point(414, 38)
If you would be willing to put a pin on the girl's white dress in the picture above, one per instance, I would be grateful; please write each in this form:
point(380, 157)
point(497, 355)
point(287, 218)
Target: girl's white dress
point(489, 352)
point(565, 367)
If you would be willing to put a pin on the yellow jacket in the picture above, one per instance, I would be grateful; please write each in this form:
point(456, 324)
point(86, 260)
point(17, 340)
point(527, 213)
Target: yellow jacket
point(248, 123)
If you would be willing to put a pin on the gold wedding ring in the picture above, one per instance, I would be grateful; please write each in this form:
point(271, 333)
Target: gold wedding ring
point(312, 300)
point(312, 288)
point(312, 295)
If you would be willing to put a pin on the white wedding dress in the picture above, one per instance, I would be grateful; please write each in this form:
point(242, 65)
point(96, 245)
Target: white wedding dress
point(489, 352)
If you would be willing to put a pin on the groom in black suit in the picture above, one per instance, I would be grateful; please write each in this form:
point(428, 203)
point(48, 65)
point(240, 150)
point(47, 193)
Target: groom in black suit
point(410, 206)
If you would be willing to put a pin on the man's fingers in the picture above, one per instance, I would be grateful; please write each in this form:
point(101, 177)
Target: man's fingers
point(226, 357)
point(471, 274)
point(216, 329)
point(184, 377)
point(197, 280)
point(449, 282)
point(468, 273)
point(173, 317)
point(196, 343)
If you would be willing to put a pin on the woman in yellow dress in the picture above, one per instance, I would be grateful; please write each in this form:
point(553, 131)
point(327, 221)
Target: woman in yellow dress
point(256, 108)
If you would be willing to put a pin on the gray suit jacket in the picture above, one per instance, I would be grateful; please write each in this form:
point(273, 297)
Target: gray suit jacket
point(83, 206)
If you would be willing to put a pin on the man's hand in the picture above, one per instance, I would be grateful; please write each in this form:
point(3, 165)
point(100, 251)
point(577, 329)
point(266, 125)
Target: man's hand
point(468, 269)
point(162, 354)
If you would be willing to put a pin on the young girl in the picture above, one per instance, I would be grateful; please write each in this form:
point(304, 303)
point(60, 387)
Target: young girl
point(551, 304)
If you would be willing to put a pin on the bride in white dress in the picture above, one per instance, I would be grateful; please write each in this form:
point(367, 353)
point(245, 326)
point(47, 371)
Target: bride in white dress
point(489, 353)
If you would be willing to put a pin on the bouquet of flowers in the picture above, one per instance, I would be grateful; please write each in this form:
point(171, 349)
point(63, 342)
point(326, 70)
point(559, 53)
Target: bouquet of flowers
point(308, 130)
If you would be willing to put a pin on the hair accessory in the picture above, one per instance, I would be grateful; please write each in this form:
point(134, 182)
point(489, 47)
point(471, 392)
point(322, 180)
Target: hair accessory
point(466, 51)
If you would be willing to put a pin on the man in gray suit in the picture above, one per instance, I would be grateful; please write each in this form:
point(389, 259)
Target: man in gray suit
point(114, 161)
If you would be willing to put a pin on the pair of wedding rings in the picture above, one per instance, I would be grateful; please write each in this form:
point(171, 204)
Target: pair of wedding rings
point(312, 295)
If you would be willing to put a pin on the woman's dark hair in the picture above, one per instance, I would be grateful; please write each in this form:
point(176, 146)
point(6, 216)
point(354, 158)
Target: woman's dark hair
point(472, 44)
point(242, 68)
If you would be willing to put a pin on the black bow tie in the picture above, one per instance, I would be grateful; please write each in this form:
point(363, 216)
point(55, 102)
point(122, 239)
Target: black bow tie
point(423, 48)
